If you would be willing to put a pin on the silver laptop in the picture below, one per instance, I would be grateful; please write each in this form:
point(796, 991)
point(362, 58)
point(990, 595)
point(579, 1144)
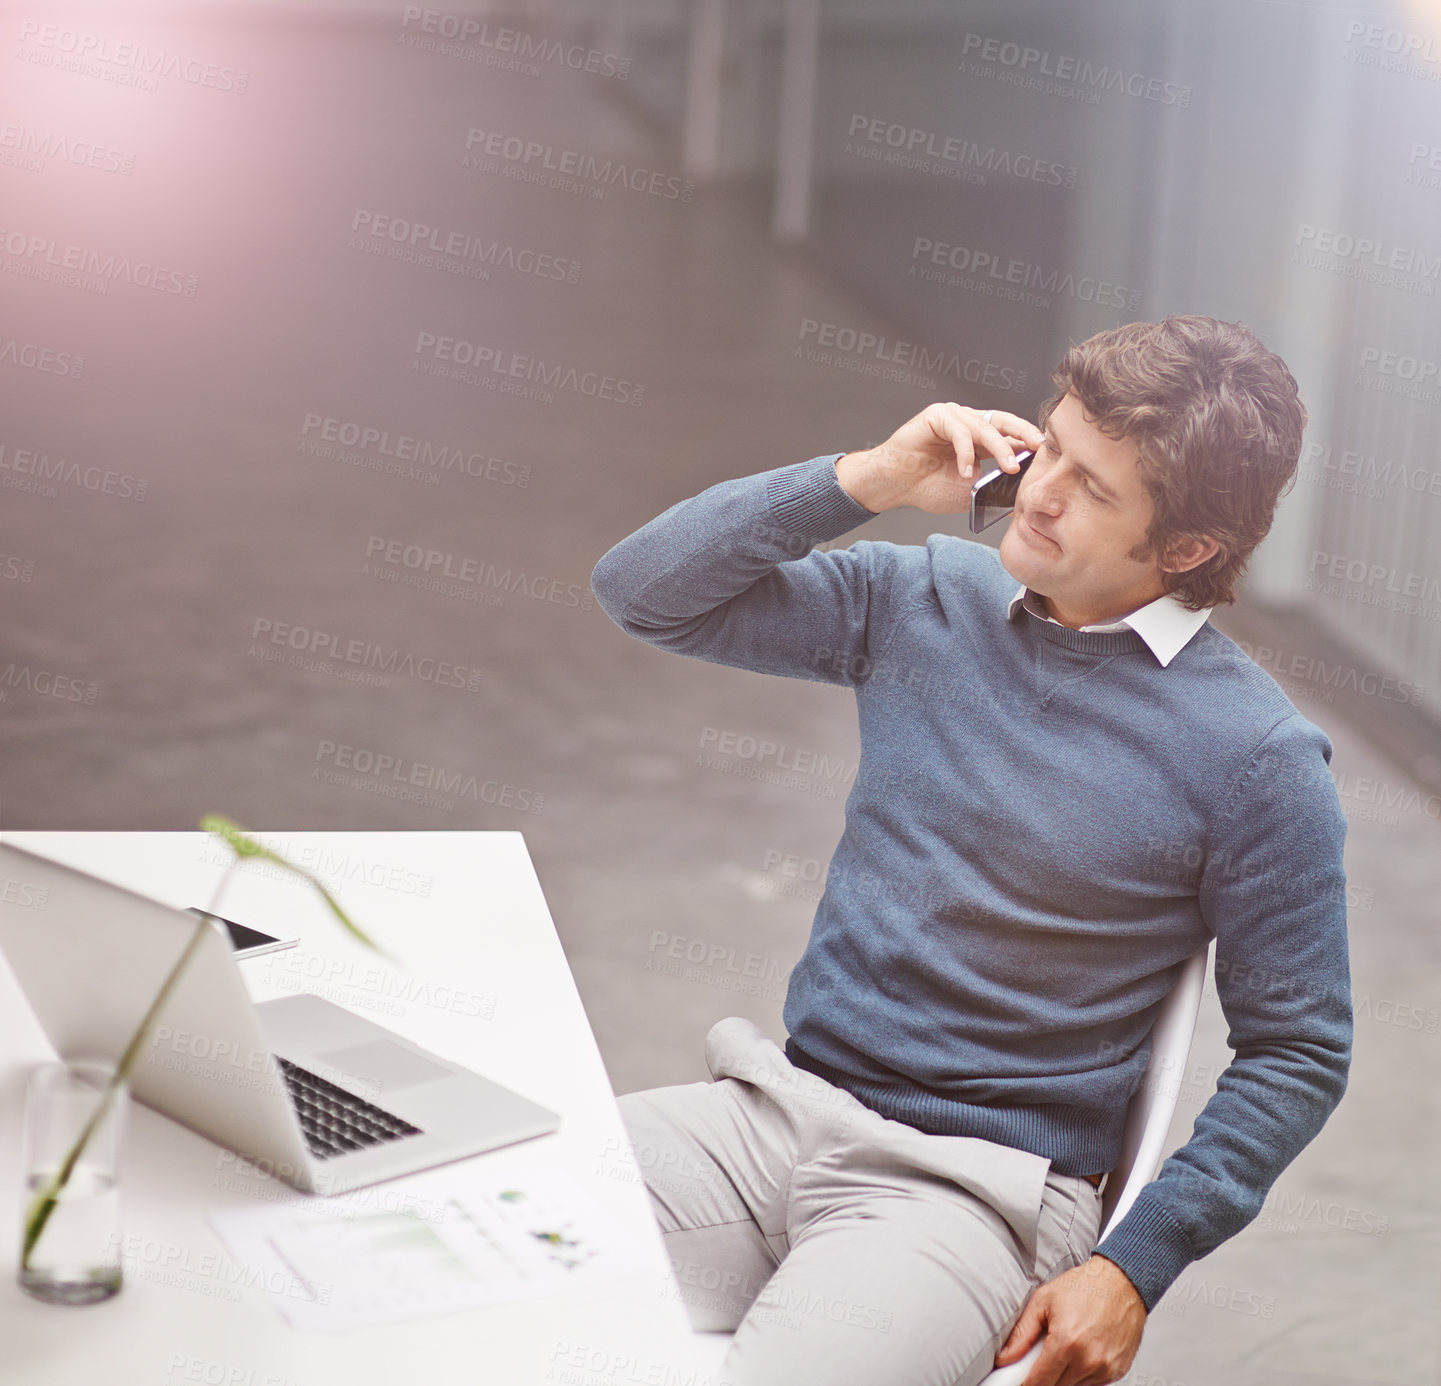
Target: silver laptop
point(311, 1092)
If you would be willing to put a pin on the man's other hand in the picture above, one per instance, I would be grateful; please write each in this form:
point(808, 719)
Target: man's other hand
point(931, 460)
point(1093, 1319)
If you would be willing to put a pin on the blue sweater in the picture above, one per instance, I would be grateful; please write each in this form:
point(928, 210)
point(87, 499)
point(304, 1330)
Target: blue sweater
point(1045, 824)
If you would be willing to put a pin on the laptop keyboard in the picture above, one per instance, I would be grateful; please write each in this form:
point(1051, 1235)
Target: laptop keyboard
point(334, 1121)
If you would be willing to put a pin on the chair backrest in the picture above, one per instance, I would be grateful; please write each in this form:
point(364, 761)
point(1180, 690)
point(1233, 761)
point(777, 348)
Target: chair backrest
point(1148, 1119)
point(1153, 1104)
point(1148, 1122)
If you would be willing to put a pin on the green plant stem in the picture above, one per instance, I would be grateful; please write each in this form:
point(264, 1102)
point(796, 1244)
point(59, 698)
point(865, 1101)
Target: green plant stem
point(46, 1200)
point(244, 847)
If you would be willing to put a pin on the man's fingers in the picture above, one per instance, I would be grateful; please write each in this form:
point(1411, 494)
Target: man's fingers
point(1050, 1368)
point(1015, 427)
point(1027, 1329)
point(921, 449)
point(1069, 1366)
point(997, 434)
point(997, 445)
point(979, 431)
point(956, 424)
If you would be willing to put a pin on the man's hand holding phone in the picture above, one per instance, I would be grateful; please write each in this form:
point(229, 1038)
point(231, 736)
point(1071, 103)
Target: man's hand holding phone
point(930, 461)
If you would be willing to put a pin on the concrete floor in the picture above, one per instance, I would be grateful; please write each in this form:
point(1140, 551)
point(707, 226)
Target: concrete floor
point(641, 848)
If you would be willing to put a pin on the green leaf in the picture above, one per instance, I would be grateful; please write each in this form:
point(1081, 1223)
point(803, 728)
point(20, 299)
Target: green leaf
point(244, 846)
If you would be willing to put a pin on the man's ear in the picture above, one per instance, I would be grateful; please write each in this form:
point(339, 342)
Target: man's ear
point(1187, 551)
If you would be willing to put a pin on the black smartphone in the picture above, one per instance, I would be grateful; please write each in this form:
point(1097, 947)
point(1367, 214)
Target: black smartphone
point(247, 941)
point(993, 496)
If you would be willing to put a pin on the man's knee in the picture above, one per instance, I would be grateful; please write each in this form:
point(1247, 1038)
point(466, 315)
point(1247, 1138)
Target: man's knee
point(669, 1151)
point(664, 1147)
point(718, 1276)
point(634, 1111)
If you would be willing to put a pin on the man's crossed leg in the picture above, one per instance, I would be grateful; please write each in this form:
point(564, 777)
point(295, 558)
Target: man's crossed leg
point(844, 1248)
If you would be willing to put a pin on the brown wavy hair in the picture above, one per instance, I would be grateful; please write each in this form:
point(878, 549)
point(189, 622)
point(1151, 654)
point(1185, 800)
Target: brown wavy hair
point(1217, 420)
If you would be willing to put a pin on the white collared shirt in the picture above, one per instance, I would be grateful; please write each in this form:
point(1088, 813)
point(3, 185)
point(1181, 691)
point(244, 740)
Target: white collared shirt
point(1164, 624)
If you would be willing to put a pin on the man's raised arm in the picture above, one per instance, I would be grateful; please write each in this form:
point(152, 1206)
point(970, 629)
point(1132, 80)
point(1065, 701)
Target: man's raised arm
point(730, 575)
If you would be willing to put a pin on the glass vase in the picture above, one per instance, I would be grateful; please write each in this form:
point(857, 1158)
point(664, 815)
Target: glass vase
point(70, 1162)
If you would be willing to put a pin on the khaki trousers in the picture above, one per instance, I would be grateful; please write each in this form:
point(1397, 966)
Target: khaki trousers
point(844, 1249)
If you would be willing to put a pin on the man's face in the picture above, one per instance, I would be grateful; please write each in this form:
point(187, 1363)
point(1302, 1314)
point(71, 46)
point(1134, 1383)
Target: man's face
point(1077, 534)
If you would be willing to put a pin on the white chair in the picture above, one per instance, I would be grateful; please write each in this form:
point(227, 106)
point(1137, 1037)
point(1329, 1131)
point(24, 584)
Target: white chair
point(1148, 1120)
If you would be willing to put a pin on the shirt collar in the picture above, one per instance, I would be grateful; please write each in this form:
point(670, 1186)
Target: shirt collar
point(1164, 624)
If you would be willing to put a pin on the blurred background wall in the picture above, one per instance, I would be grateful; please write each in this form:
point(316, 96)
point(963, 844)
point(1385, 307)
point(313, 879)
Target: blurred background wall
point(339, 341)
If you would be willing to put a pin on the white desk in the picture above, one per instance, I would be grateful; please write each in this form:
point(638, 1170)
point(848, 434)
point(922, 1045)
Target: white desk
point(486, 984)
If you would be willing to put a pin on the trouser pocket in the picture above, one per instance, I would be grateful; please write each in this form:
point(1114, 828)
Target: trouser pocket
point(1069, 1225)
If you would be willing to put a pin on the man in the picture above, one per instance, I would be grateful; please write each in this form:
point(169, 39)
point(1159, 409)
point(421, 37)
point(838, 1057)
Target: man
point(1066, 788)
